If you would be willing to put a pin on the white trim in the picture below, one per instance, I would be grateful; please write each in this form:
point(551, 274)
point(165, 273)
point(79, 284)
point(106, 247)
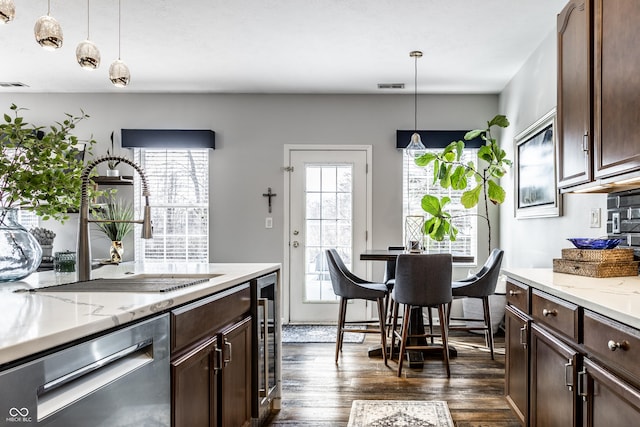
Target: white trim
point(288, 148)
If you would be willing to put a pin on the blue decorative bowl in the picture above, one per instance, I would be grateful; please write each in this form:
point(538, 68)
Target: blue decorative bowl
point(586, 243)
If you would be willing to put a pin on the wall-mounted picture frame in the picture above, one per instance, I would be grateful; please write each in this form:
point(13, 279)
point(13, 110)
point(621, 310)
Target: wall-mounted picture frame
point(536, 187)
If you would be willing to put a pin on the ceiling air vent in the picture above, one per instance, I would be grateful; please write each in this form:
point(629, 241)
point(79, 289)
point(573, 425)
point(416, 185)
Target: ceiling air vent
point(13, 84)
point(390, 85)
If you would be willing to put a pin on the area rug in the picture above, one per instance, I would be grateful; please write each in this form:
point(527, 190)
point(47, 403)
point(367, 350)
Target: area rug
point(316, 334)
point(400, 413)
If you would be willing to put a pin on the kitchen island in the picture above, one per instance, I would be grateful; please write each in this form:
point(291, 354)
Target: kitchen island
point(215, 330)
point(572, 346)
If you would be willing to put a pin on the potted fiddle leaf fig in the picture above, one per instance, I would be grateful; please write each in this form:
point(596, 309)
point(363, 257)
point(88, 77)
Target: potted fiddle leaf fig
point(479, 181)
point(40, 170)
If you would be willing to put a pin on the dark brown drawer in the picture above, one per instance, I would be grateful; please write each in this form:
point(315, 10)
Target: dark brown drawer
point(559, 315)
point(206, 317)
point(518, 296)
point(613, 343)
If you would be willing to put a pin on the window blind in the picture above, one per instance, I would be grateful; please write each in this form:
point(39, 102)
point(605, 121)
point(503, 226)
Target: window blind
point(178, 181)
point(418, 181)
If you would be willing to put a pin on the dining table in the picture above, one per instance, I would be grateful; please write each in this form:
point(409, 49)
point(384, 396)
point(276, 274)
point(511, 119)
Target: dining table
point(416, 324)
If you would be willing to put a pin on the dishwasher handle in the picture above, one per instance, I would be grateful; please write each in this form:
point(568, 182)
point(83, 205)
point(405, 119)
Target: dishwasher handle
point(71, 376)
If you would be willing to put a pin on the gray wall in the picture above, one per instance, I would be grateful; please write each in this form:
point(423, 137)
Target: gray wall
point(535, 242)
point(250, 133)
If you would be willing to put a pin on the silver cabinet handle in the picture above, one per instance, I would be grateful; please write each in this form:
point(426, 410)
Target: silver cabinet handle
point(568, 374)
point(229, 348)
point(582, 375)
point(585, 143)
point(523, 336)
point(296, 244)
point(514, 293)
point(217, 364)
point(547, 313)
point(613, 345)
point(263, 302)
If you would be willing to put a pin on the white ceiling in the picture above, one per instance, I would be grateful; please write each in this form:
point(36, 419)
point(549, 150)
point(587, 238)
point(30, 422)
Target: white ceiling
point(281, 46)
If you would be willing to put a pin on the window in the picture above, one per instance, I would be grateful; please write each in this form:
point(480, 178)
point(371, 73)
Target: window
point(179, 185)
point(417, 182)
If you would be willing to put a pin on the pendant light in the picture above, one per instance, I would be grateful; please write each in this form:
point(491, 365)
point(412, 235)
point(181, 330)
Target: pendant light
point(48, 31)
point(87, 53)
point(118, 71)
point(416, 143)
point(7, 11)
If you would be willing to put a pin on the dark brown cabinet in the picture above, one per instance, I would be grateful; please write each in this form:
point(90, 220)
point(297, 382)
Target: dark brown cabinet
point(211, 361)
point(236, 375)
point(566, 365)
point(194, 381)
point(616, 87)
point(598, 119)
point(574, 95)
point(608, 401)
point(517, 362)
point(553, 378)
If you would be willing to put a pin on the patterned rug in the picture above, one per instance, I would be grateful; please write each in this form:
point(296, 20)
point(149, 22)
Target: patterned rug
point(316, 333)
point(400, 413)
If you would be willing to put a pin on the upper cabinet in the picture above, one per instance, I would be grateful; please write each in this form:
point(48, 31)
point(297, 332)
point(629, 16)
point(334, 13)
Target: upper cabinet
point(616, 87)
point(598, 124)
point(574, 95)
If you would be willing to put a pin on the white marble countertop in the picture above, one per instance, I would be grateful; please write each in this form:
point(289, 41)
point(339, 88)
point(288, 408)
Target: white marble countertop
point(31, 322)
point(617, 297)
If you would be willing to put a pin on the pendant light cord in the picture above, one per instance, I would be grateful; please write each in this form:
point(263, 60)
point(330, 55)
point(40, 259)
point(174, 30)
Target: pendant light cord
point(49, 7)
point(88, 7)
point(415, 93)
point(119, 27)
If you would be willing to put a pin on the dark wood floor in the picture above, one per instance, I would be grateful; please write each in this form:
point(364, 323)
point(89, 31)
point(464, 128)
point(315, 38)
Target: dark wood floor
point(318, 393)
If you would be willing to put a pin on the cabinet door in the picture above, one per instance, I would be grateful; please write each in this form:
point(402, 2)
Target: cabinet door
point(194, 377)
point(517, 362)
point(616, 86)
point(552, 381)
point(609, 401)
point(574, 95)
point(236, 375)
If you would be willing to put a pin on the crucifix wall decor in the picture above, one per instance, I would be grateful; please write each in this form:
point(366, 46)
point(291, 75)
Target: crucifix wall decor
point(269, 194)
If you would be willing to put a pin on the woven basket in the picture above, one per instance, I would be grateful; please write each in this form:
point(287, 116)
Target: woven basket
point(599, 255)
point(596, 269)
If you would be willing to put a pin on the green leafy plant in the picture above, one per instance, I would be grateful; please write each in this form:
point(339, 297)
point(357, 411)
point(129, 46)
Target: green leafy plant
point(451, 172)
point(114, 209)
point(40, 169)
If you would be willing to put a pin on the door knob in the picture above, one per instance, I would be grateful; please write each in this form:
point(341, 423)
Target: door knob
point(295, 244)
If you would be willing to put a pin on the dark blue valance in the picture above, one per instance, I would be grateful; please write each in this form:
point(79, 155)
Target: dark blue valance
point(168, 138)
point(436, 138)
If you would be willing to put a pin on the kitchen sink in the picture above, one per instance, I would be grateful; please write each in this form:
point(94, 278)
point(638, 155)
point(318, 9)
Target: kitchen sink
point(138, 283)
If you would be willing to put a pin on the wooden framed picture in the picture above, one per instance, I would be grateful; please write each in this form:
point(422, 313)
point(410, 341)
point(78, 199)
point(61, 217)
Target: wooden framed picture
point(536, 187)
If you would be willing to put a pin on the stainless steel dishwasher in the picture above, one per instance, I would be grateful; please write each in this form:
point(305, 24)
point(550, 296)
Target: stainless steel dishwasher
point(116, 380)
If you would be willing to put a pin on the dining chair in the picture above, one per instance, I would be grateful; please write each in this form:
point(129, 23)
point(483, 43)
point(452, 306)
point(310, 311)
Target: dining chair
point(479, 285)
point(348, 286)
point(422, 281)
point(390, 280)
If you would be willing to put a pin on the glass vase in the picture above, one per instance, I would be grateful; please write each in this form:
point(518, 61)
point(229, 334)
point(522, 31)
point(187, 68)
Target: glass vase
point(20, 253)
point(116, 250)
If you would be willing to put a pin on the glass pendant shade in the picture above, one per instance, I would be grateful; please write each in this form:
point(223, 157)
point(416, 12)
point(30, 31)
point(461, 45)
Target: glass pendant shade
point(416, 143)
point(119, 73)
point(48, 33)
point(88, 55)
point(7, 11)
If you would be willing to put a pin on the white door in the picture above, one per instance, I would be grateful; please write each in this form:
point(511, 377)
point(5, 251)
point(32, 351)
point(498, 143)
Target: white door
point(329, 207)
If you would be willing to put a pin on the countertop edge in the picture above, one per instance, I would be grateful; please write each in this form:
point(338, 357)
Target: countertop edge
point(125, 307)
point(617, 298)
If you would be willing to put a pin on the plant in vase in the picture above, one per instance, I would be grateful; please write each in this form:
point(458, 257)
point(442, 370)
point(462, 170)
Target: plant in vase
point(451, 172)
point(114, 220)
point(45, 240)
point(112, 164)
point(40, 171)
